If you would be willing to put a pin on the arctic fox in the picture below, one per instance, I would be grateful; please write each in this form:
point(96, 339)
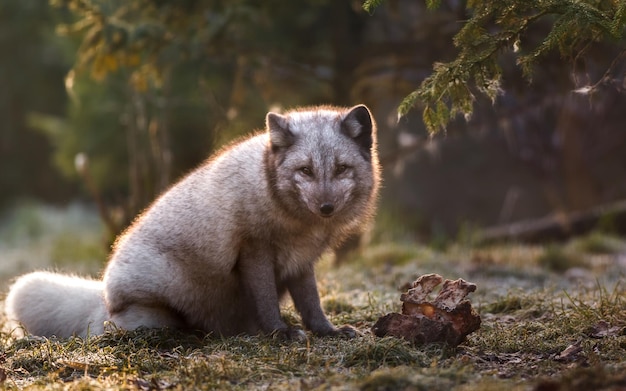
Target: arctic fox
point(217, 251)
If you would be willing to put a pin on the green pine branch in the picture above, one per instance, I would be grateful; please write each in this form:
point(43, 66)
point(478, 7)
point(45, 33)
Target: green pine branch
point(495, 27)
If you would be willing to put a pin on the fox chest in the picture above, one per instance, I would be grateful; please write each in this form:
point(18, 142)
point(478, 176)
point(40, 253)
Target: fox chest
point(297, 253)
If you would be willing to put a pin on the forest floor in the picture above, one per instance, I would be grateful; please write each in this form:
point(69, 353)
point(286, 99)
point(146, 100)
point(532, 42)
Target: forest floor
point(553, 318)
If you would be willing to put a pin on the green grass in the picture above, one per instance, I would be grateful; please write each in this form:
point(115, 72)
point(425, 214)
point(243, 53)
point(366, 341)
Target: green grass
point(43, 237)
point(519, 348)
point(557, 259)
point(531, 313)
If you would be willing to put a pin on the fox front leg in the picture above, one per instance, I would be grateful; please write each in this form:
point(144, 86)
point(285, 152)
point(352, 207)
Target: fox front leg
point(259, 283)
point(303, 291)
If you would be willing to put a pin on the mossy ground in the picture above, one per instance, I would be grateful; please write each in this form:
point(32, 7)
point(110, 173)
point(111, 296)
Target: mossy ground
point(543, 327)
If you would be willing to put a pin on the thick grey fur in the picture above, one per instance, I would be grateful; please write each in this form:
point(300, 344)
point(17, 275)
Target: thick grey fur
point(218, 250)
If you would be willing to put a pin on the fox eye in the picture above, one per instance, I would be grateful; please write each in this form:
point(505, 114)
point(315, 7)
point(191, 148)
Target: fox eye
point(306, 170)
point(341, 169)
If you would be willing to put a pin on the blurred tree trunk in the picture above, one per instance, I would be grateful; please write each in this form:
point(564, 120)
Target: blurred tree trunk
point(559, 226)
point(149, 149)
point(138, 167)
point(346, 32)
point(160, 138)
point(580, 187)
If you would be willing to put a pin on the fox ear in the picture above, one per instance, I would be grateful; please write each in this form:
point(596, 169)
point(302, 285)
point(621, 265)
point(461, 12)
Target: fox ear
point(358, 125)
point(278, 128)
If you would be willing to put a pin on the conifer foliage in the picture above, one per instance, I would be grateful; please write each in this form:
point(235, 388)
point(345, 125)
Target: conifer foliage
point(494, 27)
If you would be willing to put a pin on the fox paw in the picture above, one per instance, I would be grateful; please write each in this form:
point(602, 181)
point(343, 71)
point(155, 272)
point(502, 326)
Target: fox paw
point(289, 334)
point(343, 331)
point(347, 332)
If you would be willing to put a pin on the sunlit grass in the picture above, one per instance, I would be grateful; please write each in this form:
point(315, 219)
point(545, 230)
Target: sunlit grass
point(531, 313)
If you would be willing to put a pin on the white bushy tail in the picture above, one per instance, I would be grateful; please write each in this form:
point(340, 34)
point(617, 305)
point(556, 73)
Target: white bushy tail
point(48, 304)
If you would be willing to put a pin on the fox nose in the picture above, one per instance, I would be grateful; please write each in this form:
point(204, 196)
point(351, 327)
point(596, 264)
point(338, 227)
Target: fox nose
point(327, 209)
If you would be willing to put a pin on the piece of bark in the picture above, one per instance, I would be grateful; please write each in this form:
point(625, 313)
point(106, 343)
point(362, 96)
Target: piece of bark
point(449, 318)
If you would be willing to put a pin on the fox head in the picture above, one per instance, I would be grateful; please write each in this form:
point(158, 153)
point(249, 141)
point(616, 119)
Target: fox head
point(322, 162)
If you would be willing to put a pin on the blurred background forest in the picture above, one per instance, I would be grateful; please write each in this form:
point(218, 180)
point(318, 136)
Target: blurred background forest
point(108, 102)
